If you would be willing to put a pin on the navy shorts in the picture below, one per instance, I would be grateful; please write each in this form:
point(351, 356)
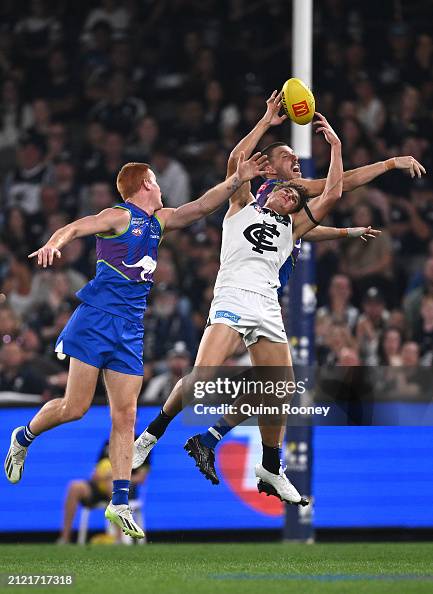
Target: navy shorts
point(103, 340)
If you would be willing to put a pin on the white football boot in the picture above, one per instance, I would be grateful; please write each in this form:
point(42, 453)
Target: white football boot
point(278, 485)
point(121, 515)
point(142, 447)
point(14, 461)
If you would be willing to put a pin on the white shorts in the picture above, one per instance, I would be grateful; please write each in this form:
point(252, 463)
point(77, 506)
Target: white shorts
point(251, 314)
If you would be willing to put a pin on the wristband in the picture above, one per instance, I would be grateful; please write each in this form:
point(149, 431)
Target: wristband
point(390, 164)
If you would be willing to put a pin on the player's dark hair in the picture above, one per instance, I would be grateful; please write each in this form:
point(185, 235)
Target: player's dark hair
point(268, 150)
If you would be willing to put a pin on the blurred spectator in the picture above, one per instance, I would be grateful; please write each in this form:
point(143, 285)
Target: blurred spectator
point(147, 134)
point(369, 264)
point(15, 373)
point(412, 302)
point(371, 324)
point(23, 184)
point(166, 324)
point(390, 347)
point(339, 308)
point(160, 387)
point(172, 177)
point(423, 333)
point(120, 111)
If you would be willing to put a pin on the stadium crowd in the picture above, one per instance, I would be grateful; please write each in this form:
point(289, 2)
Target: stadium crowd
point(177, 83)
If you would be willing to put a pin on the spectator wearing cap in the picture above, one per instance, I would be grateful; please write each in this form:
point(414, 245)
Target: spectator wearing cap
point(371, 325)
point(23, 184)
point(159, 388)
point(173, 179)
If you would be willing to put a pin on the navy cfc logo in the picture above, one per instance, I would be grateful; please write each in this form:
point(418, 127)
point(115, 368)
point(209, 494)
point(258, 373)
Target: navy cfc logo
point(261, 236)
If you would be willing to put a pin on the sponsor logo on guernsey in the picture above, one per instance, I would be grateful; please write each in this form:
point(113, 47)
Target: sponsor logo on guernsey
point(137, 231)
point(147, 263)
point(229, 315)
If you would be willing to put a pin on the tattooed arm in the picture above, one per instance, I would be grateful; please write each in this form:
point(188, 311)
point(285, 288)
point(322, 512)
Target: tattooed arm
point(177, 218)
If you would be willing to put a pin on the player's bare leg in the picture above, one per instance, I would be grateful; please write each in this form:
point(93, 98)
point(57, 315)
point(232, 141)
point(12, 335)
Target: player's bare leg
point(122, 390)
point(218, 343)
point(78, 491)
point(79, 393)
point(271, 478)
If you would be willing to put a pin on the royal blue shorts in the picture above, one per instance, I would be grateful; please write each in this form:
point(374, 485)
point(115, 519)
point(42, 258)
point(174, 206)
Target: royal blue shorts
point(103, 340)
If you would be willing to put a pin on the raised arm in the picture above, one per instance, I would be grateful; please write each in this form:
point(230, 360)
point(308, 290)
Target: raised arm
point(320, 206)
point(354, 178)
point(110, 220)
point(177, 218)
point(271, 118)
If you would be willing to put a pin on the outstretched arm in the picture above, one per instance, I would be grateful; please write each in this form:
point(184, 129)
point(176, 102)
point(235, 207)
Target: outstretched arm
point(354, 178)
point(320, 206)
point(324, 233)
point(177, 218)
point(113, 220)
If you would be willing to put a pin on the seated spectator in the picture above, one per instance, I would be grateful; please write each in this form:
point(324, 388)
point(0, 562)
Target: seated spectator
point(146, 135)
point(97, 489)
point(369, 264)
point(371, 324)
point(172, 177)
point(339, 337)
point(389, 351)
point(167, 325)
point(16, 375)
point(119, 111)
point(17, 233)
point(10, 324)
point(20, 287)
point(339, 308)
point(23, 184)
point(159, 387)
point(412, 302)
point(423, 333)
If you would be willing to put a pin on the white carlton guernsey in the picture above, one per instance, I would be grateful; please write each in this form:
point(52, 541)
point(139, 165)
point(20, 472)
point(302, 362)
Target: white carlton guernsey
point(256, 242)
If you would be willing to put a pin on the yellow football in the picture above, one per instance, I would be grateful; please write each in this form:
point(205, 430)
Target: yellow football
point(298, 101)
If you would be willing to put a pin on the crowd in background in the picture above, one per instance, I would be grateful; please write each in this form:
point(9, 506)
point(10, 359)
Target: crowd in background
point(177, 83)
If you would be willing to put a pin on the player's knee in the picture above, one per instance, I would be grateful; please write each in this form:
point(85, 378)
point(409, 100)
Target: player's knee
point(124, 416)
point(73, 412)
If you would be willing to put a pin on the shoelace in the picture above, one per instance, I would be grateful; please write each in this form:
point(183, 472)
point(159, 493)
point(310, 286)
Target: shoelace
point(19, 455)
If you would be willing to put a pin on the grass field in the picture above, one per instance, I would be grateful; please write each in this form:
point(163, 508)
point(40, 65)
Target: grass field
point(221, 568)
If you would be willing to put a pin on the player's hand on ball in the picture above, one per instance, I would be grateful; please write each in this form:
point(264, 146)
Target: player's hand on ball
point(322, 125)
point(46, 255)
point(409, 163)
point(363, 232)
point(255, 166)
point(273, 107)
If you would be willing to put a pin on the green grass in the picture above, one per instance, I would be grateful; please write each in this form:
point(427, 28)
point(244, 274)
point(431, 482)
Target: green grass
point(223, 568)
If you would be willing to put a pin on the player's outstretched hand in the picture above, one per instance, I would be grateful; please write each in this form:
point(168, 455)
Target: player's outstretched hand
point(273, 108)
point(411, 164)
point(363, 232)
point(46, 255)
point(256, 165)
point(322, 125)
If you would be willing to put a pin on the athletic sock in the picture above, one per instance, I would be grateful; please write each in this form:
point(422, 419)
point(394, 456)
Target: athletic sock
point(271, 459)
point(214, 434)
point(159, 424)
point(25, 437)
point(120, 492)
